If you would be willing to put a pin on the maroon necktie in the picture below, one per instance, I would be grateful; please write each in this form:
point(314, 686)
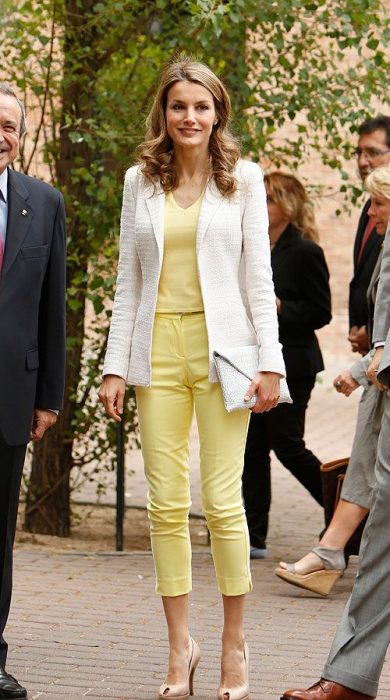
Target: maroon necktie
point(367, 233)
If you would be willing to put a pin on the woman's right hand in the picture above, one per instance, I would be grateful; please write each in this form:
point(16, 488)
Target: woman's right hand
point(111, 394)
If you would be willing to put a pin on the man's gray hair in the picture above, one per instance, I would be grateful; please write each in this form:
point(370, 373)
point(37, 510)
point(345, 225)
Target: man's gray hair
point(6, 89)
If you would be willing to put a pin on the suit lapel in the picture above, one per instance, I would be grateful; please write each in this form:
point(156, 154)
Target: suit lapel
point(363, 221)
point(281, 248)
point(155, 200)
point(372, 287)
point(20, 215)
point(369, 245)
point(212, 199)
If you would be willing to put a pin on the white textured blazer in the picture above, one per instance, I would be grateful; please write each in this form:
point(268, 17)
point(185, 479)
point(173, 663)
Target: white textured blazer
point(232, 235)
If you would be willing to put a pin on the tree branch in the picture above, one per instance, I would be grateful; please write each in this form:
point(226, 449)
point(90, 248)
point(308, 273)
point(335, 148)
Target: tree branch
point(46, 89)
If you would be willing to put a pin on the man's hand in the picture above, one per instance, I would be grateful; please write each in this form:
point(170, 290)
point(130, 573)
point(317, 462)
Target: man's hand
point(42, 420)
point(358, 338)
point(112, 394)
point(373, 370)
point(345, 383)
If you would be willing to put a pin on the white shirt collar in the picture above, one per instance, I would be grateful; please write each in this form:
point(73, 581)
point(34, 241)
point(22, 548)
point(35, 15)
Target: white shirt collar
point(4, 184)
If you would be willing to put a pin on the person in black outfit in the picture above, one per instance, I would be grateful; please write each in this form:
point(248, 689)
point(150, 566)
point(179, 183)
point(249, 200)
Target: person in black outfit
point(373, 151)
point(301, 281)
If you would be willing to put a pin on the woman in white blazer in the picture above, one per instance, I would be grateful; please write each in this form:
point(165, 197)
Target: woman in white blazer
point(194, 215)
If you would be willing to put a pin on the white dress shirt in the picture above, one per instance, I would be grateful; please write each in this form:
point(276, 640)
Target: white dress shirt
point(3, 204)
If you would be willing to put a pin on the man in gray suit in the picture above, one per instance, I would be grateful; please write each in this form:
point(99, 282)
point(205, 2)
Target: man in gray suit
point(358, 651)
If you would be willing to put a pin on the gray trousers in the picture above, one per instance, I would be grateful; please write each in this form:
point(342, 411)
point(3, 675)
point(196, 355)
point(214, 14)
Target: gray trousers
point(359, 647)
point(359, 482)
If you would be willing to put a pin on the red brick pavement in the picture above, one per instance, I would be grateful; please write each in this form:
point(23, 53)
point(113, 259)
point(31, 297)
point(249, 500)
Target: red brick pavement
point(91, 625)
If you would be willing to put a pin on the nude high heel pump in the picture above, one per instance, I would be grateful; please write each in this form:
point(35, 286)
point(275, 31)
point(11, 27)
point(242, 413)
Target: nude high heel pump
point(182, 691)
point(241, 693)
point(332, 563)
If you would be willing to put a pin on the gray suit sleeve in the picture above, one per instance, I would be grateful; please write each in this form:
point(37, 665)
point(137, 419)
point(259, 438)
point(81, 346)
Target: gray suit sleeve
point(382, 303)
point(384, 366)
point(359, 369)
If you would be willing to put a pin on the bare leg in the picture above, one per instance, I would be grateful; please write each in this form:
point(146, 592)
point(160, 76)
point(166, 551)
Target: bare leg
point(176, 613)
point(233, 669)
point(346, 519)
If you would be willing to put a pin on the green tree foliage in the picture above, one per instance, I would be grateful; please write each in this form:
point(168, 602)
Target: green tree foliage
point(88, 71)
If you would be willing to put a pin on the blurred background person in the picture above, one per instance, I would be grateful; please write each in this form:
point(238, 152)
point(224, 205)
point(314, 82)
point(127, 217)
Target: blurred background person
point(373, 151)
point(301, 280)
point(319, 570)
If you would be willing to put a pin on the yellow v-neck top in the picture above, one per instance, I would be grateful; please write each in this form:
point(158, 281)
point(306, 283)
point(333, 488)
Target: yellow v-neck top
point(179, 288)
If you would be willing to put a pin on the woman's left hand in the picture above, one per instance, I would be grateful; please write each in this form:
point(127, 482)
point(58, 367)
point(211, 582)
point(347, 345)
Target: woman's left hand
point(267, 386)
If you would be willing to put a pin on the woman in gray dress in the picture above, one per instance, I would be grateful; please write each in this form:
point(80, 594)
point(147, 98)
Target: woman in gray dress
point(318, 570)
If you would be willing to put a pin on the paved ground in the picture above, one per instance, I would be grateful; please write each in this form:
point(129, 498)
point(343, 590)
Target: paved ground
point(91, 625)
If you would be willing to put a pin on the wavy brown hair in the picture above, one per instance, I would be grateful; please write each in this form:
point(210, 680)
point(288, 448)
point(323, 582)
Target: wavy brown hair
point(290, 195)
point(156, 154)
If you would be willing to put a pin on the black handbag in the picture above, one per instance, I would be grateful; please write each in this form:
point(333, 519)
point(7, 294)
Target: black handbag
point(332, 477)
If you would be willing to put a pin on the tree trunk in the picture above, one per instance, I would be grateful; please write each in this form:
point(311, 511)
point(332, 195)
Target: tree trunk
point(48, 496)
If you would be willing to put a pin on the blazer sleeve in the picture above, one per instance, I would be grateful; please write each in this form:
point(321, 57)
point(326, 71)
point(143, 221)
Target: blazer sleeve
point(384, 366)
point(382, 301)
point(128, 286)
point(360, 367)
point(313, 309)
point(51, 323)
point(258, 272)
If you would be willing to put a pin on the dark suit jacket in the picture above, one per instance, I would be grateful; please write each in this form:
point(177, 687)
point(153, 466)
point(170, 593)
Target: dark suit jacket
point(358, 311)
point(301, 281)
point(32, 306)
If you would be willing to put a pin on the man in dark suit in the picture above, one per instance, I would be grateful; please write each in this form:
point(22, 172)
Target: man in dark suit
point(373, 151)
point(32, 333)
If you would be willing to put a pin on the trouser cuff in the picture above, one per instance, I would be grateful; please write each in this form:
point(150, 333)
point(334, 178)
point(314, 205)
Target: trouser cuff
point(174, 587)
point(234, 586)
point(361, 684)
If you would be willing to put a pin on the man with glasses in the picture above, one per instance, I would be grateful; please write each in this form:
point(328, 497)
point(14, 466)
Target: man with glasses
point(373, 151)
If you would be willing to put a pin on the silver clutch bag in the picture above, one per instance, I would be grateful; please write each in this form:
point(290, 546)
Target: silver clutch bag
point(236, 368)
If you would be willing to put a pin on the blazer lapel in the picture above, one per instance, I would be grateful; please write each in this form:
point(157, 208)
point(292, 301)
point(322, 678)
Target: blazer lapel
point(281, 247)
point(211, 201)
point(362, 224)
point(370, 243)
point(154, 198)
point(372, 287)
point(20, 215)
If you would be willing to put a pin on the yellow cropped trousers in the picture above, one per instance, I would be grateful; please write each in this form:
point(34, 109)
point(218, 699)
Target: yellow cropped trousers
point(180, 366)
